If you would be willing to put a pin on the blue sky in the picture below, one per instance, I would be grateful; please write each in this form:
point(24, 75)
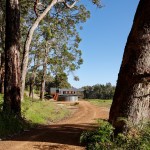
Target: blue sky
point(104, 37)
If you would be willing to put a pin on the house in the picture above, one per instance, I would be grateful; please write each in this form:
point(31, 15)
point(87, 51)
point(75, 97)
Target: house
point(66, 94)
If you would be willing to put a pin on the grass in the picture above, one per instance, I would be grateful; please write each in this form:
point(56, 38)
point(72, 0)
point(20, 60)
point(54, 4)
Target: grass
point(101, 102)
point(1, 101)
point(43, 112)
point(33, 113)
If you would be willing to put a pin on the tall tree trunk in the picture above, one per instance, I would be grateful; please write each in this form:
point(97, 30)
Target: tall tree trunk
point(2, 79)
point(33, 77)
point(32, 81)
point(12, 59)
point(42, 92)
point(132, 95)
point(28, 42)
point(2, 39)
point(0, 72)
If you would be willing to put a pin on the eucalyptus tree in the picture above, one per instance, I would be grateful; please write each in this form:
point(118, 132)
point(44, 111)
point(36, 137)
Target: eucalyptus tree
point(23, 12)
point(44, 72)
point(58, 31)
point(10, 54)
point(12, 103)
point(41, 12)
point(33, 73)
point(132, 99)
point(35, 62)
point(61, 52)
point(42, 90)
point(61, 81)
point(12, 76)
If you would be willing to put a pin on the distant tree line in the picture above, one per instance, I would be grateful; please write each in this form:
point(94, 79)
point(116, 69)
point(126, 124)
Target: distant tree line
point(99, 91)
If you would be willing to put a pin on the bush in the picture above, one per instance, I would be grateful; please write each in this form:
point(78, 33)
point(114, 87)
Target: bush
point(100, 138)
point(103, 138)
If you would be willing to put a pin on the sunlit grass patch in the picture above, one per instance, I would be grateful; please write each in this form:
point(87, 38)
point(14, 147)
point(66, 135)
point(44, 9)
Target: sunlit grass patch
point(43, 112)
point(101, 102)
point(1, 101)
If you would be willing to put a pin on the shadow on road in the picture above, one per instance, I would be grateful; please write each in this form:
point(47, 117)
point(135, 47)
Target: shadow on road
point(61, 134)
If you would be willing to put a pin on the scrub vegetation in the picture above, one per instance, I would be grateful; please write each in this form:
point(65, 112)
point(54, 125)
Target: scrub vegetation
point(103, 138)
point(34, 112)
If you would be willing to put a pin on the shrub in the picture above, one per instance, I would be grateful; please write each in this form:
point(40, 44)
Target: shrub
point(103, 138)
point(100, 138)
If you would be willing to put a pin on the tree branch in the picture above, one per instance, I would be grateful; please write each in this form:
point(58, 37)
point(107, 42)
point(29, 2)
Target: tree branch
point(70, 6)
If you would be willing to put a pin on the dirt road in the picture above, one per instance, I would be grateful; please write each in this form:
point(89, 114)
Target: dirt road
point(63, 135)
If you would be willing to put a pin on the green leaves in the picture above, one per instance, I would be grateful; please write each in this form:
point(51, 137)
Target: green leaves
point(99, 138)
point(103, 138)
point(100, 91)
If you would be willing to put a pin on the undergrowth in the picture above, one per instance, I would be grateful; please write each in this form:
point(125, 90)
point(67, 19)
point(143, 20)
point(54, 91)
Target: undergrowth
point(11, 125)
point(34, 112)
point(103, 138)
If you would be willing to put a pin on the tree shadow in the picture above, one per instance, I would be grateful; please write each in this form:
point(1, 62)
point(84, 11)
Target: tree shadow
point(68, 134)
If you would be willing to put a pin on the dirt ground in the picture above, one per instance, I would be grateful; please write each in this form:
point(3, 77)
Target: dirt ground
point(63, 135)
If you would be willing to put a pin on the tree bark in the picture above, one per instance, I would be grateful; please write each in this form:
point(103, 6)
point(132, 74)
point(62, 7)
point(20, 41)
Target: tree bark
point(12, 59)
point(132, 95)
point(2, 72)
point(32, 81)
point(2, 55)
point(42, 92)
